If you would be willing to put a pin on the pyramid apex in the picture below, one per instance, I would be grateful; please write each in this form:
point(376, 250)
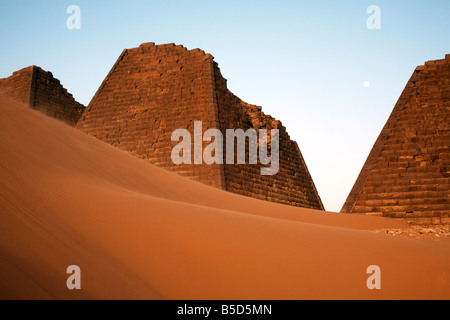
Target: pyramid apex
point(198, 51)
point(147, 44)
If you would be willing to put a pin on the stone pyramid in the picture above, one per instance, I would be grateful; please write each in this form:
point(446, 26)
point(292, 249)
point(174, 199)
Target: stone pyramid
point(153, 90)
point(41, 91)
point(407, 173)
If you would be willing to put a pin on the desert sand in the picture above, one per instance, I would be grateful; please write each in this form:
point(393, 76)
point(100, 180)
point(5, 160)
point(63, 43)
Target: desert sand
point(140, 232)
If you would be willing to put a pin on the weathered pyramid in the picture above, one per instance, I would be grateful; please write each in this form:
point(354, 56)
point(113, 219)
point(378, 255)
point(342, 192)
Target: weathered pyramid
point(155, 89)
point(407, 173)
point(41, 91)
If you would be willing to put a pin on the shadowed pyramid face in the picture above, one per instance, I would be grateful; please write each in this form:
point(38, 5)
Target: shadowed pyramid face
point(154, 90)
point(213, 153)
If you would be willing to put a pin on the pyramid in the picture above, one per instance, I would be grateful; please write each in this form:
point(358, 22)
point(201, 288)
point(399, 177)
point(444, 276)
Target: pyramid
point(407, 173)
point(153, 90)
point(41, 91)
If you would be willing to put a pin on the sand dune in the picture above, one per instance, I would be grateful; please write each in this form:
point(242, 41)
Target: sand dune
point(140, 232)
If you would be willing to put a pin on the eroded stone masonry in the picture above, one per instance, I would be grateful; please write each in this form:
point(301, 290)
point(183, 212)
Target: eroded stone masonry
point(407, 173)
point(153, 90)
point(41, 91)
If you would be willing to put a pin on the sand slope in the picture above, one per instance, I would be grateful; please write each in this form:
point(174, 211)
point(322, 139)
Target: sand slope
point(140, 232)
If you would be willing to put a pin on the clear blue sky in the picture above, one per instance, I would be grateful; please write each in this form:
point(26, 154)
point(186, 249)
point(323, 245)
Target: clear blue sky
point(304, 62)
